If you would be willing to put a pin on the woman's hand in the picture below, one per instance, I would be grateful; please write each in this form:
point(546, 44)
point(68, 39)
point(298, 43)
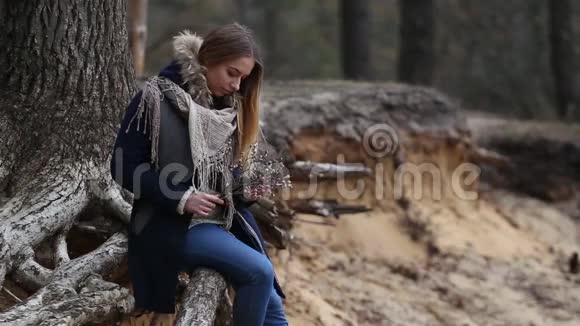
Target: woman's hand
point(202, 203)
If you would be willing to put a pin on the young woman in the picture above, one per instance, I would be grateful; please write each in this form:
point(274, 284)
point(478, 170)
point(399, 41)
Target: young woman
point(175, 151)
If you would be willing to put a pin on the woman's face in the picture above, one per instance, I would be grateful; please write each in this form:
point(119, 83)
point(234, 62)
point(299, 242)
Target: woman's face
point(225, 78)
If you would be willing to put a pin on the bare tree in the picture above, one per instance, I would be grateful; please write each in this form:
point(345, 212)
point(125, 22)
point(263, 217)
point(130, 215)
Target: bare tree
point(66, 82)
point(271, 27)
point(242, 9)
point(355, 30)
point(138, 33)
point(563, 58)
point(417, 41)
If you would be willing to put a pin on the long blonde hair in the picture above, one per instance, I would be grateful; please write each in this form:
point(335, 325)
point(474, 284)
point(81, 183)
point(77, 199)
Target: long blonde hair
point(230, 42)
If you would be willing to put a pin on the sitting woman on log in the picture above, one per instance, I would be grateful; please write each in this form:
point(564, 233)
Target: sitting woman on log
point(184, 137)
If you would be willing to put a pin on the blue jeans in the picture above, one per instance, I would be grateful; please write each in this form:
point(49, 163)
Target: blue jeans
point(250, 272)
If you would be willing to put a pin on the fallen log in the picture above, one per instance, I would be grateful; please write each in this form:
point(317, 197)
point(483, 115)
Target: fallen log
point(325, 208)
point(201, 298)
point(305, 171)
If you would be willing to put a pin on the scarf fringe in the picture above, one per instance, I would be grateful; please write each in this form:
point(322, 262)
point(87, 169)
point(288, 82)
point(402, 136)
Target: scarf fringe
point(149, 107)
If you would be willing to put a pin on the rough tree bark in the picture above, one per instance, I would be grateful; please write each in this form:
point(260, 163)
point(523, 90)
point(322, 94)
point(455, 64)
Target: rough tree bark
point(355, 29)
point(200, 299)
point(417, 41)
point(563, 58)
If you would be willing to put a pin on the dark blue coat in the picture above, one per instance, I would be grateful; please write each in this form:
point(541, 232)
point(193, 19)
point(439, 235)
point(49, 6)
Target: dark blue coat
point(155, 254)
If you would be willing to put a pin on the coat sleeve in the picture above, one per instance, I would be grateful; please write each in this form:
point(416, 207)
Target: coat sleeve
point(131, 164)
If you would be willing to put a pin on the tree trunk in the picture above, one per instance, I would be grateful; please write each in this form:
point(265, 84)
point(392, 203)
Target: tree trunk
point(242, 9)
point(355, 28)
point(563, 58)
point(417, 41)
point(138, 34)
point(271, 38)
point(66, 83)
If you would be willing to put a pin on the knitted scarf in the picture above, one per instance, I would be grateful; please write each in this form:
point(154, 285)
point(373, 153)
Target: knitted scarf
point(210, 136)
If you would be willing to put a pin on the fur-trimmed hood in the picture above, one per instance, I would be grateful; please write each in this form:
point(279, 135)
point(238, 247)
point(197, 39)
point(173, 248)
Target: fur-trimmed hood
point(191, 74)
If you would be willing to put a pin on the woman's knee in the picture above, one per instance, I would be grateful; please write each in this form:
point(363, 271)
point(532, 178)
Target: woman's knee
point(261, 270)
